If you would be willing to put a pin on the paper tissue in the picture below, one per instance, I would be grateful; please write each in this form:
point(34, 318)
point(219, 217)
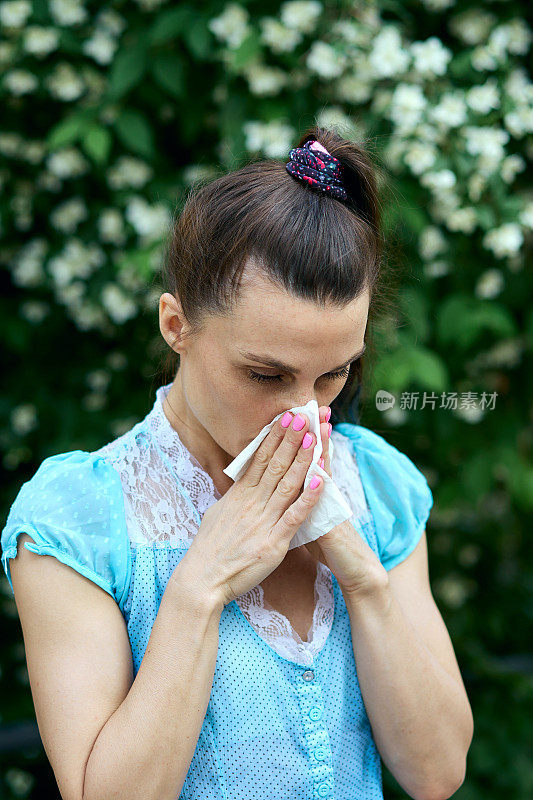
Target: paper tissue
point(331, 508)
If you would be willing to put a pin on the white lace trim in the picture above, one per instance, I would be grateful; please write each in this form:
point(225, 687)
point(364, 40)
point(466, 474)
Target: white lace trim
point(151, 460)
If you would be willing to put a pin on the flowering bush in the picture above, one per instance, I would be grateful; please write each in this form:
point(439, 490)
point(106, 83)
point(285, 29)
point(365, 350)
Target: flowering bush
point(111, 112)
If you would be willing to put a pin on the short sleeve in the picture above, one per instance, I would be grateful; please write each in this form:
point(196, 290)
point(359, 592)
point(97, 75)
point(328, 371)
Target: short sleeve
point(73, 508)
point(397, 493)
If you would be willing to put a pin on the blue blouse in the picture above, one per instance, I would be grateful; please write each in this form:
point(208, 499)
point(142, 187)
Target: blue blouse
point(274, 728)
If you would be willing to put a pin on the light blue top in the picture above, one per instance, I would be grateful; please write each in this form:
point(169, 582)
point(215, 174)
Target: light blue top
point(273, 728)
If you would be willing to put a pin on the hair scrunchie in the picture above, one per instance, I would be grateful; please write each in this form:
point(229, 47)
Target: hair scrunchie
point(314, 166)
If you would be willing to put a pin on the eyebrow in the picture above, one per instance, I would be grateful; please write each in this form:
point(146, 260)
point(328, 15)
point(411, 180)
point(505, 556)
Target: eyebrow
point(272, 362)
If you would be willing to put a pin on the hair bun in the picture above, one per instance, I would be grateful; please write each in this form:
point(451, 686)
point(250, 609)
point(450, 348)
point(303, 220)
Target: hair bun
point(314, 166)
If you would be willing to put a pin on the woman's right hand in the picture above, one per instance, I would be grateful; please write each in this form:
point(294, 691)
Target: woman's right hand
point(246, 534)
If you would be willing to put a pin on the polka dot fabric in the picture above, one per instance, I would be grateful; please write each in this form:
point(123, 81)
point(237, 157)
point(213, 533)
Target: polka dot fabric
point(315, 167)
point(274, 727)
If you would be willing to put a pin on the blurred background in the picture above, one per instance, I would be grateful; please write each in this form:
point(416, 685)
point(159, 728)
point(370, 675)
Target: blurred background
point(112, 112)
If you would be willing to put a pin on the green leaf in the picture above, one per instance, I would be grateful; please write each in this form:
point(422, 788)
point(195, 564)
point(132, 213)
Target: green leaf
point(414, 304)
point(169, 24)
point(97, 144)
point(127, 70)
point(68, 130)
point(248, 51)
point(463, 319)
point(135, 132)
point(398, 371)
point(198, 38)
point(169, 72)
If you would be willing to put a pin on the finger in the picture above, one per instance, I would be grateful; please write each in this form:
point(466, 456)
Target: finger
point(325, 428)
point(288, 464)
point(297, 512)
point(261, 458)
point(290, 487)
point(283, 457)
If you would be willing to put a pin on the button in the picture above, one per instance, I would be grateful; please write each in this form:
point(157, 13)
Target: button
point(323, 789)
point(320, 754)
point(308, 675)
point(315, 713)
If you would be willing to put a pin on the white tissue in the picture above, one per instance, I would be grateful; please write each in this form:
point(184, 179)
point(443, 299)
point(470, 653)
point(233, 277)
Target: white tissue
point(331, 508)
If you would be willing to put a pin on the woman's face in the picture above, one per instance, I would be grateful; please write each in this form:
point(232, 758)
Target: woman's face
point(217, 393)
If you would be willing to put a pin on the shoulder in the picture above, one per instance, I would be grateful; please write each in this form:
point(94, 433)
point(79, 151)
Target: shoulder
point(397, 491)
point(72, 507)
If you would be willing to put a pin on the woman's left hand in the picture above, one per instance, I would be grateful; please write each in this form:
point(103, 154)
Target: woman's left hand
point(355, 565)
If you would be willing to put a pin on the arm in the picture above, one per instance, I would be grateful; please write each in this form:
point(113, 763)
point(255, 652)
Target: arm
point(411, 685)
point(106, 735)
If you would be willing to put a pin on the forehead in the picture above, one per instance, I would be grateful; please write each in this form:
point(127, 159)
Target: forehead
point(265, 310)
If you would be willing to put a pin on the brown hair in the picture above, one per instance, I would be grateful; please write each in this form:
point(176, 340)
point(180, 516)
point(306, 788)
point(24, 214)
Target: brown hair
point(306, 241)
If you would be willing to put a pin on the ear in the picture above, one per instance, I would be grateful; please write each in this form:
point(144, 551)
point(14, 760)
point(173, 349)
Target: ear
point(172, 323)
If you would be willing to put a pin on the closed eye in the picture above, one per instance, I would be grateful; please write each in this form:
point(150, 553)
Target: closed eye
point(257, 376)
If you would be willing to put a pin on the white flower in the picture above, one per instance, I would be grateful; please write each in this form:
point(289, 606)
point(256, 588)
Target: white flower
point(98, 379)
point(407, 106)
point(129, 172)
point(20, 81)
point(10, 144)
point(487, 142)
point(476, 184)
point(518, 86)
point(272, 138)
point(484, 98)
point(117, 304)
point(279, 38)
point(482, 59)
point(353, 32)
point(27, 265)
point(24, 418)
point(505, 240)
point(518, 36)
point(439, 181)
point(301, 15)
point(462, 219)
point(431, 242)
point(67, 163)
point(68, 12)
point(117, 360)
point(519, 122)
point(450, 111)
point(14, 13)
point(473, 26)
point(438, 5)
point(32, 152)
point(111, 226)
point(150, 5)
point(111, 22)
point(76, 260)
point(334, 118)
point(526, 215)
point(420, 156)
point(265, 80)
point(40, 41)
point(430, 57)
point(388, 57)
point(64, 83)
point(150, 221)
point(101, 46)
point(324, 60)
point(436, 269)
point(356, 87)
point(232, 25)
point(87, 316)
point(510, 166)
point(70, 294)
point(490, 284)
point(67, 216)
point(34, 311)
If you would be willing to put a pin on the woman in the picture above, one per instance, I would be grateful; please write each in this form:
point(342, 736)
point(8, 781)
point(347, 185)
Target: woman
point(217, 662)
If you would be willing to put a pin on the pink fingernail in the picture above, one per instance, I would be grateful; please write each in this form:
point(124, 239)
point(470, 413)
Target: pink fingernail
point(307, 441)
point(298, 422)
point(286, 419)
point(314, 482)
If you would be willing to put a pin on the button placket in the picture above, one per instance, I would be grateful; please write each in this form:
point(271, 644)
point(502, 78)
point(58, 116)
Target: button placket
point(311, 702)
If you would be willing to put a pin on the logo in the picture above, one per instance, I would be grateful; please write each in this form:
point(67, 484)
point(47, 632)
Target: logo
point(384, 400)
